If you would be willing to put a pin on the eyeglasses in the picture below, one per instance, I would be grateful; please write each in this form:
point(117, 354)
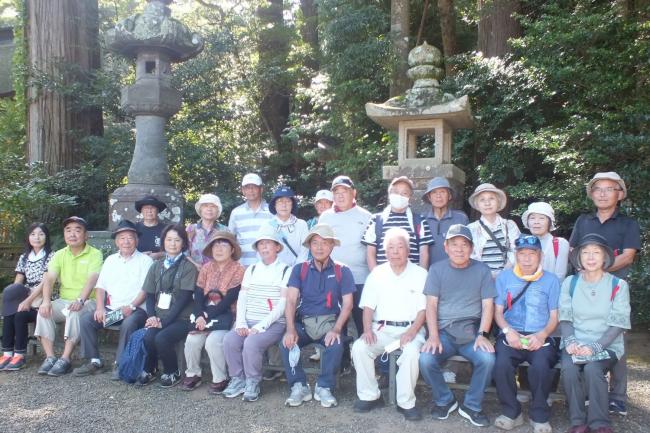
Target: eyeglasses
point(526, 240)
point(606, 190)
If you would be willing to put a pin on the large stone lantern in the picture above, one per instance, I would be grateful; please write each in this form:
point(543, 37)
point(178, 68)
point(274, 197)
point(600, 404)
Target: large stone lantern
point(155, 40)
point(424, 111)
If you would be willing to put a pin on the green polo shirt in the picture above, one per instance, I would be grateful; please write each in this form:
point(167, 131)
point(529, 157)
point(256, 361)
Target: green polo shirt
point(73, 271)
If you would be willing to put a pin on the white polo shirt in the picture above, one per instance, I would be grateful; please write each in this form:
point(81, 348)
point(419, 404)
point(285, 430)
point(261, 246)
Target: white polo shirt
point(396, 298)
point(122, 278)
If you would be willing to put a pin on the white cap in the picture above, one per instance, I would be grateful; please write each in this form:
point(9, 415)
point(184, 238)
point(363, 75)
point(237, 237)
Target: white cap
point(251, 178)
point(324, 194)
point(541, 208)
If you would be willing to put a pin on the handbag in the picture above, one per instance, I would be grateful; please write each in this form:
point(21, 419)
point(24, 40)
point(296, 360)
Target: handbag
point(463, 331)
point(317, 326)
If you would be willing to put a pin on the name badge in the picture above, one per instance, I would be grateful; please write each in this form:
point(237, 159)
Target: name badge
point(164, 301)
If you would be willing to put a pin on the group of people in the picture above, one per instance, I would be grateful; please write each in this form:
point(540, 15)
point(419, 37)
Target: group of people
point(270, 283)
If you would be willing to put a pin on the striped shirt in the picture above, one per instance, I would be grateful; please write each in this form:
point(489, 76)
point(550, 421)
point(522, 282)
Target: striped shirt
point(244, 223)
point(492, 255)
point(263, 285)
point(401, 220)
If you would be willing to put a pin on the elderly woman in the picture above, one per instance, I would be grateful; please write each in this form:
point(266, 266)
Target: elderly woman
point(209, 209)
point(260, 317)
point(323, 200)
point(291, 231)
point(169, 286)
point(217, 289)
point(22, 298)
point(539, 218)
point(594, 313)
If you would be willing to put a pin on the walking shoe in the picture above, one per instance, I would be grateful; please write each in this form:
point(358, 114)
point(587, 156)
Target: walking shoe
point(87, 369)
point(218, 387)
point(61, 367)
point(412, 414)
point(17, 362)
point(145, 378)
point(236, 387)
point(271, 375)
point(363, 406)
point(442, 412)
point(324, 396)
point(47, 365)
point(252, 390)
point(191, 383)
point(541, 427)
point(478, 418)
point(579, 429)
point(506, 423)
point(617, 407)
point(169, 380)
point(115, 374)
point(299, 393)
point(4, 361)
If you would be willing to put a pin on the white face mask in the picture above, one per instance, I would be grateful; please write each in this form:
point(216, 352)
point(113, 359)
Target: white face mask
point(398, 201)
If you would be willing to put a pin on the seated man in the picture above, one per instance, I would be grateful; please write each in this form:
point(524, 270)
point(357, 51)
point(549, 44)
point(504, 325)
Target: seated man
point(527, 313)
point(393, 312)
point(119, 287)
point(76, 267)
point(315, 289)
point(460, 307)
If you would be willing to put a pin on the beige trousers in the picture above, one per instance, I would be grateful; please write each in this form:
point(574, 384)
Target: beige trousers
point(213, 343)
point(46, 327)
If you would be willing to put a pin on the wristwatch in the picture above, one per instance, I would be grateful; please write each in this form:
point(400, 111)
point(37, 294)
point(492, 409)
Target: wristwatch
point(505, 330)
point(132, 307)
point(81, 301)
point(483, 334)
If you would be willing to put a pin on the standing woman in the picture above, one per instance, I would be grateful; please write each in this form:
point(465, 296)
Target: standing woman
point(169, 287)
point(539, 218)
point(22, 298)
point(209, 208)
point(291, 230)
point(594, 314)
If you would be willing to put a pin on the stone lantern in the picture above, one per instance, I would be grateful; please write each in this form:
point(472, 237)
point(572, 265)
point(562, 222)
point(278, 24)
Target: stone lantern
point(155, 40)
point(424, 111)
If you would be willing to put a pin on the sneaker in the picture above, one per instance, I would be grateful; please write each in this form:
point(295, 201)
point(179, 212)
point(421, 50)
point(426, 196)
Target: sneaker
point(523, 397)
point(412, 414)
point(169, 380)
point(115, 374)
point(47, 365)
point(506, 423)
point(4, 361)
point(478, 418)
point(17, 362)
point(363, 406)
point(88, 369)
point(271, 375)
point(145, 378)
point(442, 412)
point(60, 367)
point(324, 396)
point(541, 427)
point(217, 388)
point(252, 390)
point(236, 387)
point(191, 383)
point(299, 393)
point(617, 407)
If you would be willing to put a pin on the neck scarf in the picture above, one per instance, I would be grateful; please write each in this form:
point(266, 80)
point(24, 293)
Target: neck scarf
point(534, 277)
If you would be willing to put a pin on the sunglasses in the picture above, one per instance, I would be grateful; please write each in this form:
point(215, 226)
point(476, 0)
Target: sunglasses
point(523, 241)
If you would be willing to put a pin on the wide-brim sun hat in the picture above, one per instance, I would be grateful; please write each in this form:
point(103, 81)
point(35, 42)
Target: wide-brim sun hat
point(222, 234)
point(124, 226)
point(208, 199)
point(324, 194)
point(542, 208)
point(267, 232)
point(325, 231)
point(150, 200)
point(435, 183)
point(609, 175)
point(488, 187)
point(592, 239)
point(283, 191)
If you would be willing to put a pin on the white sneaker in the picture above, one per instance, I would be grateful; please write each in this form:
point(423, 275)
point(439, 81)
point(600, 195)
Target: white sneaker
point(236, 387)
point(299, 394)
point(324, 396)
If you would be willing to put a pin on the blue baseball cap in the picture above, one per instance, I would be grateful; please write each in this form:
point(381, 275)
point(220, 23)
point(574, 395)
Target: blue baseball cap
point(528, 241)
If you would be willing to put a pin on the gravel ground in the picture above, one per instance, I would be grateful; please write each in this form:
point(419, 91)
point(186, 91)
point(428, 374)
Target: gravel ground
point(31, 403)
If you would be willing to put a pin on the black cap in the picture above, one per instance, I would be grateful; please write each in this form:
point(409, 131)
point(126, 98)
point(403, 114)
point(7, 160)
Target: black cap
point(75, 219)
point(151, 201)
point(124, 226)
point(342, 180)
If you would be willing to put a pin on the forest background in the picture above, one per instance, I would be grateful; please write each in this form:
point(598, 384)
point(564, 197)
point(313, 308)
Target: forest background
point(560, 90)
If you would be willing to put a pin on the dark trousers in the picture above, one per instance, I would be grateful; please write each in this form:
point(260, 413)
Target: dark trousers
point(618, 380)
point(89, 327)
point(540, 378)
point(357, 313)
point(14, 331)
point(160, 343)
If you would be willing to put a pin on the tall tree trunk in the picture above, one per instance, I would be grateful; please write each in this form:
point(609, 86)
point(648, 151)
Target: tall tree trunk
point(497, 25)
point(448, 30)
point(309, 31)
point(399, 32)
point(62, 48)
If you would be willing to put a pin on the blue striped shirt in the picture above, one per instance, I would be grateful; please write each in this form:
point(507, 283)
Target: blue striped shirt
point(244, 223)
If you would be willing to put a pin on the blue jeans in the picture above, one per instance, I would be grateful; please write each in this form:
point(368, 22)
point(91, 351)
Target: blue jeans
point(330, 360)
point(431, 369)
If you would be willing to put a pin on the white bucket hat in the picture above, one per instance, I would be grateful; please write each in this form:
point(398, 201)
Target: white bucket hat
point(539, 207)
point(267, 232)
point(488, 187)
point(610, 175)
point(208, 199)
point(324, 194)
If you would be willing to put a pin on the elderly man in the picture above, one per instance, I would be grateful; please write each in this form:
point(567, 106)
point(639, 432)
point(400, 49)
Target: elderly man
point(460, 308)
point(119, 294)
point(527, 313)
point(247, 218)
point(393, 314)
point(320, 290)
point(623, 236)
point(76, 267)
point(440, 217)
